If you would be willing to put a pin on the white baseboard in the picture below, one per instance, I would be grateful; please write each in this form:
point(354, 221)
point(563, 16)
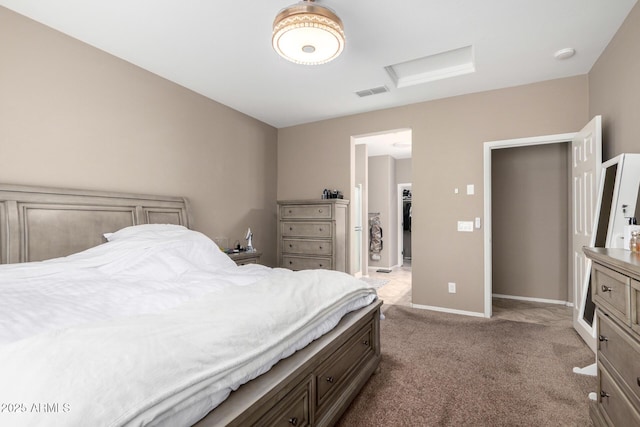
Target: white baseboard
point(447, 310)
point(547, 301)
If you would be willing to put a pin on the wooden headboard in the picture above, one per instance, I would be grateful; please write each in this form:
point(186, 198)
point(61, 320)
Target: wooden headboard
point(38, 223)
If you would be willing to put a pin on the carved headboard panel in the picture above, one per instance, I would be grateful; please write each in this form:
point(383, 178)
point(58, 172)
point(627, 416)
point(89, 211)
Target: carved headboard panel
point(38, 223)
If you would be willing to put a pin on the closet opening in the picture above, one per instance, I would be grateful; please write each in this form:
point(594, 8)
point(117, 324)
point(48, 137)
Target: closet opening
point(530, 188)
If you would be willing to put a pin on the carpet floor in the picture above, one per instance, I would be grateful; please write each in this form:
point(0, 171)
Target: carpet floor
point(441, 369)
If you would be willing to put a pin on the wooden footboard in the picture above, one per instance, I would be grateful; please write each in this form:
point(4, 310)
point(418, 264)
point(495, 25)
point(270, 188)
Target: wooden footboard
point(314, 386)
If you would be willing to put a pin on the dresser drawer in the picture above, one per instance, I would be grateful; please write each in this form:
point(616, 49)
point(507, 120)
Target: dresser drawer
point(306, 229)
point(304, 263)
point(615, 407)
point(622, 353)
point(305, 211)
point(635, 306)
point(333, 374)
point(307, 247)
point(611, 290)
point(292, 410)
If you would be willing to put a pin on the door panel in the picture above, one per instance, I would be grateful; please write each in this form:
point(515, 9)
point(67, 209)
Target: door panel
point(586, 149)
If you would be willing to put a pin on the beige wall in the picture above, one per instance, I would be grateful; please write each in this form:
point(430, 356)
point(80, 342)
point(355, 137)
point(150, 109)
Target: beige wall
point(530, 216)
point(74, 116)
point(403, 171)
point(614, 89)
point(448, 137)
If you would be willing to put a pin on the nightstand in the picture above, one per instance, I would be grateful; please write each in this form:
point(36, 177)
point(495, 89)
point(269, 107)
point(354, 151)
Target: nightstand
point(242, 258)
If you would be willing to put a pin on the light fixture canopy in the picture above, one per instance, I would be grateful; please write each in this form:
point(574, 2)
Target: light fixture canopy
point(308, 34)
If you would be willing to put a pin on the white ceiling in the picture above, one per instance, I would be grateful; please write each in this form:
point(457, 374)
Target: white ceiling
point(222, 48)
point(395, 143)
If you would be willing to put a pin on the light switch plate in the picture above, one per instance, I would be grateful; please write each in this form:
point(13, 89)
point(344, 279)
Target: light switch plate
point(471, 190)
point(465, 226)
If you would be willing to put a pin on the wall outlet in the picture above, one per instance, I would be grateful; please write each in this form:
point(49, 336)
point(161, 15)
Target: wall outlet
point(465, 226)
point(452, 288)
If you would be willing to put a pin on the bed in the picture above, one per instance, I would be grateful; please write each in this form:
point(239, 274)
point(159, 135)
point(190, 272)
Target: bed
point(127, 321)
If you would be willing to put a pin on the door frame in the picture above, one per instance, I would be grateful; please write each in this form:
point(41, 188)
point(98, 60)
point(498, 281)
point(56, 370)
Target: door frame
point(487, 148)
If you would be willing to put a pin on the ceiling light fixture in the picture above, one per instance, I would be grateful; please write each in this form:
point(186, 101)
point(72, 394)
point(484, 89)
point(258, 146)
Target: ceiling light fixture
point(308, 34)
point(565, 53)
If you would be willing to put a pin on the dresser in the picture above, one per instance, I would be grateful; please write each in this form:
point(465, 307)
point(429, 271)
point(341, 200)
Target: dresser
point(615, 286)
point(313, 234)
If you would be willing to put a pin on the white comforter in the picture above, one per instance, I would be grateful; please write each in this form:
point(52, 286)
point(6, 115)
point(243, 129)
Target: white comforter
point(86, 342)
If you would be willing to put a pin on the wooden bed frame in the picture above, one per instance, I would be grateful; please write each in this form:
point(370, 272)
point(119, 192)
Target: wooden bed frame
point(312, 387)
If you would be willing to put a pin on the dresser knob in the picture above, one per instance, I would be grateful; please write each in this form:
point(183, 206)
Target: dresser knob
point(290, 262)
point(290, 245)
point(320, 265)
point(320, 229)
point(330, 380)
point(606, 288)
point(320, 210)
point(604, 394)
point(602, 338)
point(290, 228)
point(320, 247)
point(365, 342)
point(293, 421)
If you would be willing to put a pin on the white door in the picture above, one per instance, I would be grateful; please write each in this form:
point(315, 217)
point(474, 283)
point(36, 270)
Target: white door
point(358, 230)
point(586, 148)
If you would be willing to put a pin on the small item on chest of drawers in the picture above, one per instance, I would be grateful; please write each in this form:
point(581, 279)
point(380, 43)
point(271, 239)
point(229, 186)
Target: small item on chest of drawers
point(633, 242)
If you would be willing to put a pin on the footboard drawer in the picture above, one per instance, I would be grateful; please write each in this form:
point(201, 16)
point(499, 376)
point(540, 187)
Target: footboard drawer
point(292, 410)
point(335, 371)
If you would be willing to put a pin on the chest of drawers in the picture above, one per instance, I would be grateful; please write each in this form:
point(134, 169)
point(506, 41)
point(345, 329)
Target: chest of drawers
point(615, 286)
point(313, 234)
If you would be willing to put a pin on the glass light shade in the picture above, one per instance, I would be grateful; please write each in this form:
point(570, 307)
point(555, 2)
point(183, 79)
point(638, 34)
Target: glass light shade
point(308, 34)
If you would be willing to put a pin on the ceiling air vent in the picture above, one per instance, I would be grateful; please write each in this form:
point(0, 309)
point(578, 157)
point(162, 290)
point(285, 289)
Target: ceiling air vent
point(372, 91)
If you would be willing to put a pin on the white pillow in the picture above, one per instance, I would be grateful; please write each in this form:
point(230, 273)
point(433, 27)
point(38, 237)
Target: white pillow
point(146, 231)
point(162, 252)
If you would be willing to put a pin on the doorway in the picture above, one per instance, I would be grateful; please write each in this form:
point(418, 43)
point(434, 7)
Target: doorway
point(405, 213)
point(530, 239)
point(488, 217)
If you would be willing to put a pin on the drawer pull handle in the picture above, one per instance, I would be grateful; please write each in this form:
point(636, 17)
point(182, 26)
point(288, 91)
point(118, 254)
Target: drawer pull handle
point(320, 210)
point(320, 229)
point(365, 342)
point(290, 211)
point(290, 245)
point(330, 380)
point(602, 338)
point(290, 228)
point(604, 394)
point(293, 421)
point(320, 265)
point(290, 262)
point(606, 288)
point(320, 247)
